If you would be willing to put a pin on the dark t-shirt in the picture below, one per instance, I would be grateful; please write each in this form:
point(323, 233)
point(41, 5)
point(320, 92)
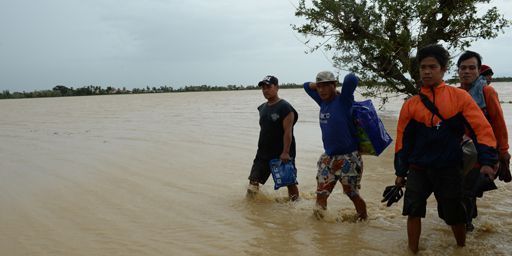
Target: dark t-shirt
point(270, 143)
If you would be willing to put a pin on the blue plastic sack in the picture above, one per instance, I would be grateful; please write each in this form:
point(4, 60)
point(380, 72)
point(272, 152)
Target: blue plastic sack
point(284, 174)
point(373, 137)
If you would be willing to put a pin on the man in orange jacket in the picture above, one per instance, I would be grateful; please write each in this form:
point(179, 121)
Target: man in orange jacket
point(474, 79)
point(428, 150)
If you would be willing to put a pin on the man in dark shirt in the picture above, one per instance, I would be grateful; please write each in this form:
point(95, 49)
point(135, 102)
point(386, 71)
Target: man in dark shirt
point(277, 118)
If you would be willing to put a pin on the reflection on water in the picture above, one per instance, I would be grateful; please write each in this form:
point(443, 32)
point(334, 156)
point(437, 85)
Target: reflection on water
point(166, 174)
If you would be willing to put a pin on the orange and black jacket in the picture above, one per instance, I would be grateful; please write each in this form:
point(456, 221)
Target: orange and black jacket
point(425, 141)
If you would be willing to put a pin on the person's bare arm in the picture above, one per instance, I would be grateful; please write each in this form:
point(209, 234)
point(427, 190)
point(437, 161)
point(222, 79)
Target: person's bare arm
point(287, 137)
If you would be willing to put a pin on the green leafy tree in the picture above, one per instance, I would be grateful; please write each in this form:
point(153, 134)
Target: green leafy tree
point(378, 39)
point(110, 89)
point(63, 90)
point(5, 94)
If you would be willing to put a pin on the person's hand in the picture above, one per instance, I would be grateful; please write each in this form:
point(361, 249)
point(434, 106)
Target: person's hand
point(504, 169)
point(504, 156)
point(489, 171)
point(285, 157)
point(400, 181)
point(312, 86)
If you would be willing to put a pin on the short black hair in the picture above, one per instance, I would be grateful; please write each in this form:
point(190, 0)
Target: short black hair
point(468, 55)
point(436, 51)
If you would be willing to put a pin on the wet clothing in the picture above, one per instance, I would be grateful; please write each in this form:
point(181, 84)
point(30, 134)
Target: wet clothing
point(470, 197)
point(336, 119)
point(270, 142)
point(424, 141)
point(260, 170)
point(446, 184)
point(347, 169)
point(428, 150)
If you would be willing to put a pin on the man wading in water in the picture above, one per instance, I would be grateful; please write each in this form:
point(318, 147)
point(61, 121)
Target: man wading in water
point(428, 147)
point(277, 118)
point(341, 160)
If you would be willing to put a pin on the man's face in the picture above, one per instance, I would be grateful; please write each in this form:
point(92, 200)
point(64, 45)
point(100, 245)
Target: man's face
point(326, 90)
point(269, 91)
point(468, 71)
point(488, 78)
point(431, 72)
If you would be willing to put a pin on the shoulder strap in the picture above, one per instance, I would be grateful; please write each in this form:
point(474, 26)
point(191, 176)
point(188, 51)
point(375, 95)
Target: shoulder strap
point(430, 106)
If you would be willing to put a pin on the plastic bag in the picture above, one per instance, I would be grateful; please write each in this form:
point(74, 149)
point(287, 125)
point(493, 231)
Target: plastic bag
point(284, 174)
point(469, 155)
point(373, 137)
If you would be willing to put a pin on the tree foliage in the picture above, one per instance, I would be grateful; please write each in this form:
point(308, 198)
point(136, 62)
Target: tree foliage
point(378, 39)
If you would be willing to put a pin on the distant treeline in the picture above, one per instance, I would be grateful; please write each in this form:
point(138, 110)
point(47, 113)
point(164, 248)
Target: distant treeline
point(61, 90)
point(502, 79)
point(455, 80)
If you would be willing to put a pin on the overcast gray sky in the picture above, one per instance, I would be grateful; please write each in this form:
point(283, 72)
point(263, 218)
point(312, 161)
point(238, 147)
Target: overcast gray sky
point(138, 43)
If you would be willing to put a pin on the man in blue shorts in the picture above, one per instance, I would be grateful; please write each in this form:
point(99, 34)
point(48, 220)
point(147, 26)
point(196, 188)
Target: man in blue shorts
point(277, 118)
point(341, 160)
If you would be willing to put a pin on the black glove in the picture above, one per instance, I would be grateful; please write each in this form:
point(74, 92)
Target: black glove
point(504, 169)
point(392, 194)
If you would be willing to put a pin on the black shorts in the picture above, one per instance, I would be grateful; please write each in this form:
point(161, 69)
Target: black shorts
point(260, 170)
point(447, 185)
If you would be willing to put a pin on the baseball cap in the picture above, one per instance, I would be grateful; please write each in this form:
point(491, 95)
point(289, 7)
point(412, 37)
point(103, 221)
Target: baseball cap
point(325, 76)
point(268, 80)
point(486, 70)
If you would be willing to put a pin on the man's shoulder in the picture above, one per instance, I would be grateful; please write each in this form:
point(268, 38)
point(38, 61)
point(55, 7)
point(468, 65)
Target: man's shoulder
point(489, 88)
point(284, 104)
point(458, 93)
point(455, 88)
point(261, 106)
point(412, 99)
point(490, 93)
